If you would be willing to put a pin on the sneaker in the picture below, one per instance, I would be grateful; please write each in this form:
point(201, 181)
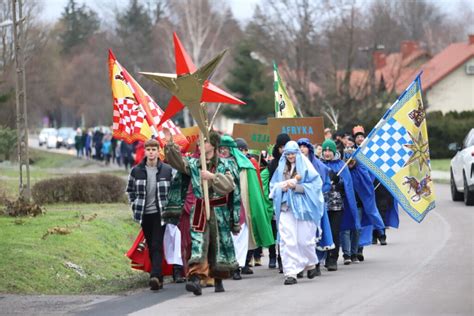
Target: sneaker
point(218, 286)
point(194, 285)
point(383, 240)
point(236, 275)
point(354, 259)
point(290, 281)
point(347, 260)
point(258, 262)
point(300, 275)
point(246, 270)
point(360, 257)
point(155, 284)
point(272, 263)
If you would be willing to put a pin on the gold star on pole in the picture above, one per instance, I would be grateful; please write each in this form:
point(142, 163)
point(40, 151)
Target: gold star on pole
point(420, 151)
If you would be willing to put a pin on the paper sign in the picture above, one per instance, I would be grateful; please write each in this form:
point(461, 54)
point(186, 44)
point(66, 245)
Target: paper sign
point(256, 135)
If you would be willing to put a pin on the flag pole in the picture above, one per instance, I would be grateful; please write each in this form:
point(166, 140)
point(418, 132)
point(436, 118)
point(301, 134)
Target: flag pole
point(205, 184)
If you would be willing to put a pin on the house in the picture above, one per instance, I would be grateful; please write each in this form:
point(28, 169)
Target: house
point(448, 78)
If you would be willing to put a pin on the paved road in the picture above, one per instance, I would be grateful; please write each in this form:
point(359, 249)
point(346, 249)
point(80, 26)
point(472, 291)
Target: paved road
point(427, 269)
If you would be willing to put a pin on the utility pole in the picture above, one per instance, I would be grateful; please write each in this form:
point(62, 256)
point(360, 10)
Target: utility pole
point(20, 93)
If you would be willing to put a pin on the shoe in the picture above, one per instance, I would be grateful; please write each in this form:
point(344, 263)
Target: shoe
point(347, 260)
point(247, 270)
point(236, 275)
point(383, 240)
point(218, 286)
point(313, 273)
point(272, 263)
point(331, 265)
point(290, 281)
point(360, 257)
point(374, 240)
point(178, 274)
point(194, 285)
point(354, 259)
point(251, 262)
point(258, 262)
point(318, 270)
point(300, 275)
point(155, 284)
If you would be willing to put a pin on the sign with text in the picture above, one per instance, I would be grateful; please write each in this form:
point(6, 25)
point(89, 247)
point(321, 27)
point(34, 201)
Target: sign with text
point(256, 135)
point(308, 127)
point(192, 135)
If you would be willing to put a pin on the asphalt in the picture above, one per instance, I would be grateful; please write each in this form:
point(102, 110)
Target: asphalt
point(426, 269)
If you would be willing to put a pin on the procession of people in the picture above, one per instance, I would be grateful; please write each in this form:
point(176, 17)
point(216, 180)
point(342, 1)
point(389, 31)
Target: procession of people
point(306, 209)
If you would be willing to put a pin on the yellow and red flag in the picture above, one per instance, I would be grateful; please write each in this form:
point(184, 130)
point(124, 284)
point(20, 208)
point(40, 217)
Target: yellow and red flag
point(136, 115)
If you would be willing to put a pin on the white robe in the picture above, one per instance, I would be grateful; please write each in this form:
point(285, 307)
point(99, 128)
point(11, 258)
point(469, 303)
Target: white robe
point(297, 244)
point(172, 245)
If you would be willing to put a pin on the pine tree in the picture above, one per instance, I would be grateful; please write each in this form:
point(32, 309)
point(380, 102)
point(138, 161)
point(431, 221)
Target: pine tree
point(79, 24)
point(252, 82)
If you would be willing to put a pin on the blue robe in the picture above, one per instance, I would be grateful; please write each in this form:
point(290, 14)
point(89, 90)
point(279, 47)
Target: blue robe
point(350, 216)
point(304, 206)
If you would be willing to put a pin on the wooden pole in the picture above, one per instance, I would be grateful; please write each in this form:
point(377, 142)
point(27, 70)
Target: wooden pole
point(205, 185)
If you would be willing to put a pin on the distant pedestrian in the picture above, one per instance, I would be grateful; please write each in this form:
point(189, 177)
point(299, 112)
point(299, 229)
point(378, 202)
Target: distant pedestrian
point(79, 143)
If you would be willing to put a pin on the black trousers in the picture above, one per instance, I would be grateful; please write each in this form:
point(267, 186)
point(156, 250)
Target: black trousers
point(151, 225)
point(335, 218)
point(272, 249)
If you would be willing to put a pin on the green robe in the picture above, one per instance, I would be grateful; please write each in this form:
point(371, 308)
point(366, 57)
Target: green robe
point(223, 219)
point(265, 176)
point(261, 223)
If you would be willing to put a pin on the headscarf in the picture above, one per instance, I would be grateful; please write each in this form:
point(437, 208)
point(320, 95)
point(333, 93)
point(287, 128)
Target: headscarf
point(304, 206)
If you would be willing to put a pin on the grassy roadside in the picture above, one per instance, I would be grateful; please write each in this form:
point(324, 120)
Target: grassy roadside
point(440, 164)
point(30, 264)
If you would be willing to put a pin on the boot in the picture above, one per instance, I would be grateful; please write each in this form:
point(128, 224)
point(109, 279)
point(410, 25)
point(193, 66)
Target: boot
point(313, 273)
point(218, 286)
point(155, 284)
point(318, 270)
point(383, 240)
point(331, 264)
point(178, 274)
point(236, 275)
point(194, 285)
point(272, 263)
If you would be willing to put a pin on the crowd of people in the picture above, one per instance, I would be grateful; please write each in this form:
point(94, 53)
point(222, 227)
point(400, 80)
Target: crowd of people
point(305, 202)
point(100, 145)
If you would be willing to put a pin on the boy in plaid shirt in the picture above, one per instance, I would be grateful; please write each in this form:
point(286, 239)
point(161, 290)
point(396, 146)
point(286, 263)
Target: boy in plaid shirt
point(147, 190)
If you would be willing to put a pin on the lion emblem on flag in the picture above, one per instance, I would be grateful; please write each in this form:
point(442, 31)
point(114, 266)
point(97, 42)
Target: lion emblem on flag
point(419, 188)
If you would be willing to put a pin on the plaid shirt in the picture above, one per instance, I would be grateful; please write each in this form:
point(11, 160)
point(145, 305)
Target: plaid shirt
point(136, 188)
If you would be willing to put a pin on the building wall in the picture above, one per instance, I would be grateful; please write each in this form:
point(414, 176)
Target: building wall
point(455, 92)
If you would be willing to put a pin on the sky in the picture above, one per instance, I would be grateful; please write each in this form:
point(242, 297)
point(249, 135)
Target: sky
point(52, 9)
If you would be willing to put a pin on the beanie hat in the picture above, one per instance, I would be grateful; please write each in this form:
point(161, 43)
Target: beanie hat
point(227, 141)
point(329, 144)
point(241, 144)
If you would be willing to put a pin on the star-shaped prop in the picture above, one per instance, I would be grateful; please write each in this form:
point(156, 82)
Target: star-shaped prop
point(420, 151)
point(190, 86)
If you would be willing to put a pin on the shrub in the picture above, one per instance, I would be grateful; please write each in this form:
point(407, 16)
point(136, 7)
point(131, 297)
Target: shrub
point(7, 142)
point(90, 188)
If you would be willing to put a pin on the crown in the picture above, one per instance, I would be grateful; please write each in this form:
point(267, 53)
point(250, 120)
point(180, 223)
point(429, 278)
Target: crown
point(358, 129)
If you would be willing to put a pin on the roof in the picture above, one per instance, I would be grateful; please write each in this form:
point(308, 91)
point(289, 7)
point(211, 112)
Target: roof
point(442, 64)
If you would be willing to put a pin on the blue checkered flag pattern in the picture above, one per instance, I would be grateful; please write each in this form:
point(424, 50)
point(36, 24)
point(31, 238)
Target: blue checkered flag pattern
point(386, 149)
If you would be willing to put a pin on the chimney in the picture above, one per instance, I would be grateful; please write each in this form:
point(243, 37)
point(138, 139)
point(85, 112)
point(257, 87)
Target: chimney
point(471, 39)
point(408, 47)
point(379, 59)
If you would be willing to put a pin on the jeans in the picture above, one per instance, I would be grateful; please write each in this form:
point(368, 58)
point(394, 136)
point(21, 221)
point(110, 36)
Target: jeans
point(349, 242)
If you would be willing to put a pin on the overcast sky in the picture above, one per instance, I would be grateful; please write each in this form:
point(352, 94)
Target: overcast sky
point(52, 9)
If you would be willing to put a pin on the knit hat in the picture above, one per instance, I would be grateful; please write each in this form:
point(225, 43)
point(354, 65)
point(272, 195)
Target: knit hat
point(241, 144)
point(329, 144)
point(227, 141)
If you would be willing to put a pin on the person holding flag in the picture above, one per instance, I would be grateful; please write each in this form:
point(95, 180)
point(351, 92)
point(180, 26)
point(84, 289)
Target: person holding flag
point(283, 105)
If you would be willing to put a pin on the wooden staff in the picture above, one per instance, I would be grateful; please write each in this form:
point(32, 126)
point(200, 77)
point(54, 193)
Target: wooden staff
point(205, 185)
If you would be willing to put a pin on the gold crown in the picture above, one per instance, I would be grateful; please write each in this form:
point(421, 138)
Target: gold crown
point(358, 129)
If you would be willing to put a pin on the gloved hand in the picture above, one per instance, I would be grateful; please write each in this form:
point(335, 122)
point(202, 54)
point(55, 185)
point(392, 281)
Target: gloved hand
point(334, 177)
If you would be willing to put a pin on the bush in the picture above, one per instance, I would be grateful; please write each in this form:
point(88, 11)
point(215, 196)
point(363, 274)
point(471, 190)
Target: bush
point(91, 188)
point(7, 142)
point(451, 127)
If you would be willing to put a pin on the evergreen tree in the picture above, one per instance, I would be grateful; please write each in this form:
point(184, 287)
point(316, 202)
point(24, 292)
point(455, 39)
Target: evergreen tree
point(79, 24)
point(134, 28)
point(252, 82)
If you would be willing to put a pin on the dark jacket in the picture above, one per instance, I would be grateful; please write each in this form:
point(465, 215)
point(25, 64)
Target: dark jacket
point(281, 141)
point(136, 187)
